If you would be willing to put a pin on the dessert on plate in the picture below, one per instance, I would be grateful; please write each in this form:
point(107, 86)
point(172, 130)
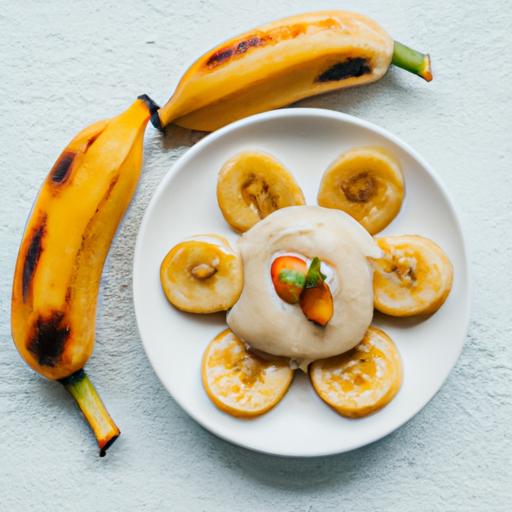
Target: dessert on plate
point(275, 326)
point(302, 282)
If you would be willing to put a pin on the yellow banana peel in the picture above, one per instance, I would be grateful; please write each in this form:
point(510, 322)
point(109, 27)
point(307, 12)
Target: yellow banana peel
point(283, 62)
point(60, 261)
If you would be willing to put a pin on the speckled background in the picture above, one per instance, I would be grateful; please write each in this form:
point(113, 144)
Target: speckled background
point(65, 64)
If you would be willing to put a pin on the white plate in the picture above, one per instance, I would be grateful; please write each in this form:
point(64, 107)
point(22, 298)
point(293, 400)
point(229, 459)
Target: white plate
point(184, 204)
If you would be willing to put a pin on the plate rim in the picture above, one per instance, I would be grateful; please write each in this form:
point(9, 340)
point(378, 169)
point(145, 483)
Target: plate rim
point(302, 112)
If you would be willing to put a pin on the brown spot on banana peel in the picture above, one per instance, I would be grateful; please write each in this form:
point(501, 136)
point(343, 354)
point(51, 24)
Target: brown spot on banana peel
point(48, 338)
point(264, 38)
point(50, 332)
point(224, 54)
point(249, 43)
point(32, 256)
point(62, 167)
point(219, 57)
point(91, 141)
point(352, 67)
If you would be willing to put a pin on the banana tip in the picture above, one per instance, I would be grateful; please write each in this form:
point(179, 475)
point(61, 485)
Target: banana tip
point(156, 122)
point(108, 444)
point(153, 110)
point(426, 74)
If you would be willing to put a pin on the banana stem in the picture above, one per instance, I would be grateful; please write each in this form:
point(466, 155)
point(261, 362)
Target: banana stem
point(412, 61)
point(103, 426)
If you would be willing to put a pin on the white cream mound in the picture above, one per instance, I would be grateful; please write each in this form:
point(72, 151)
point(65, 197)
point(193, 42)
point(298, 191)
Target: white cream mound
point(266, 322)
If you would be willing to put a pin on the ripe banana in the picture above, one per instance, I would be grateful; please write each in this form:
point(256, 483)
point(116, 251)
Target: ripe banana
point(62, 252)
point(252, 185)
point(366, 183)
point(283, 62)
point(202, 275)
point(240, 382)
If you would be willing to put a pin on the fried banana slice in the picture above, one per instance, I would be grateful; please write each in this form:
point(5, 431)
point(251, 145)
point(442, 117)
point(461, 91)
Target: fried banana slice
point(202, 275)
point(414, 276)
point(252, 185)
point(239, 382)
point(366, 183)
point(362, 380)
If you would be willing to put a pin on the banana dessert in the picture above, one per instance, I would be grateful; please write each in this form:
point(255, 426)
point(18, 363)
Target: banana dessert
point(301, 285)
point(334, 313)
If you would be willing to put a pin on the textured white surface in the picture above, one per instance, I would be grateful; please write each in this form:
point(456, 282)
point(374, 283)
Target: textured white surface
point(66, 64)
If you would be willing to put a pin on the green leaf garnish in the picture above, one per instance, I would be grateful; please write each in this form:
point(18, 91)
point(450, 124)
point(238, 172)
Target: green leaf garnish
point(292, 277)
point(314, 275)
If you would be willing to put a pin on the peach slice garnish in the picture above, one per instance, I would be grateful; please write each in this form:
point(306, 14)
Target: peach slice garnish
point(289, 276)
point(316, 299)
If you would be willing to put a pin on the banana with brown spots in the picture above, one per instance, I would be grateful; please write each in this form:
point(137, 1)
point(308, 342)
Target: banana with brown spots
point(62, 252)
point(282, 62)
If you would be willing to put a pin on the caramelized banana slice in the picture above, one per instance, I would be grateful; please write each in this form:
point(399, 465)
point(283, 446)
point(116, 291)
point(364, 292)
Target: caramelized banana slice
point(414, 276)
point(367, 183)
point(202, 275)
point(251, 186)
point(362, 380)
point(239, 382)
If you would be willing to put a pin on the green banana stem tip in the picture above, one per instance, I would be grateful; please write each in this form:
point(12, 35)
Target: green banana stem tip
point(412, 61)
point(87, 398)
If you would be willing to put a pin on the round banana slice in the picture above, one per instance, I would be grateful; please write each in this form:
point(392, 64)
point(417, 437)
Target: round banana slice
point(202, 275)
point(366, 183)
point(362, 380)
point(252, 185)
point(414, 276)
point(239, 382)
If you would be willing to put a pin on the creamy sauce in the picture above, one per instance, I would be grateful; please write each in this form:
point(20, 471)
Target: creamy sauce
point(269, 324)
